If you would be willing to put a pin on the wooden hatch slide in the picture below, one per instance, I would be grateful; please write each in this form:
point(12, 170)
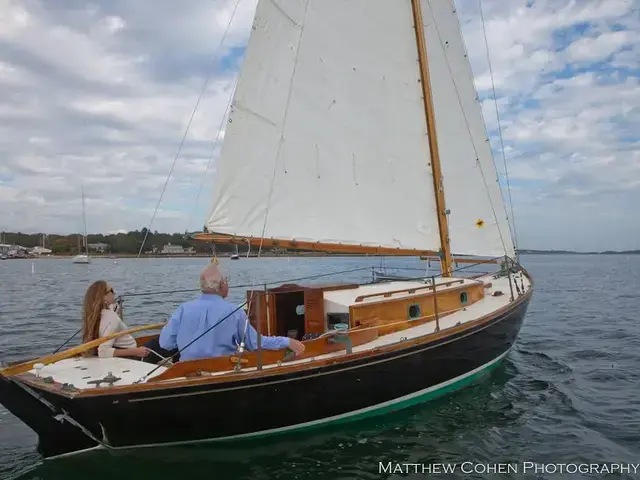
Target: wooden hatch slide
point(291, 307)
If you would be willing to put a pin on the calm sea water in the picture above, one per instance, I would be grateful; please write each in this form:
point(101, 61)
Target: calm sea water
point(568, 393)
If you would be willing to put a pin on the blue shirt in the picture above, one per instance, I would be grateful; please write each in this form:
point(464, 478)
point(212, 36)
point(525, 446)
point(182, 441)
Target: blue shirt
point(193, 318)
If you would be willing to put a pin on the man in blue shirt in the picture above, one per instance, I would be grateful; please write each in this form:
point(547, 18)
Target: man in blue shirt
point(193, 318)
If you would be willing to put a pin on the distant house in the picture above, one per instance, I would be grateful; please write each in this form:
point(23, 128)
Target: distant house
point(40, 251)
point(172, 249)
point(99, 247)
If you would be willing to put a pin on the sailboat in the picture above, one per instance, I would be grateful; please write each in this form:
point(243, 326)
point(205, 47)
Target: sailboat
point(236, 255)
point(83, 257)
point(355, 128)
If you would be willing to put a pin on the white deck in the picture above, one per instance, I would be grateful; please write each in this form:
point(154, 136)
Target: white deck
point(79, 371)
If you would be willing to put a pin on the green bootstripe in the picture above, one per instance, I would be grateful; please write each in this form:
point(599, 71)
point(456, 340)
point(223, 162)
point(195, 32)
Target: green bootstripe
point(384, 408)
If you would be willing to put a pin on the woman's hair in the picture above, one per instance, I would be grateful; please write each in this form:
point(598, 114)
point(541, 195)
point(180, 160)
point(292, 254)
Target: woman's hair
point(92, 311)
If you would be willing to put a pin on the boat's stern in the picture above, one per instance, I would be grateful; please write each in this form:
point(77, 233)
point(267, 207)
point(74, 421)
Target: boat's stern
point(55, 435)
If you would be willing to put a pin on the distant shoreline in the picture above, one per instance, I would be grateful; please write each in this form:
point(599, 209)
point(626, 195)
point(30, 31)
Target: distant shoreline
point(115, 256)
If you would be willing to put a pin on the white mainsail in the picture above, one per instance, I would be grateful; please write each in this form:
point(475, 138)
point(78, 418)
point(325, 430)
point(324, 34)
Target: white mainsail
point(328, 132)
point(471, 187)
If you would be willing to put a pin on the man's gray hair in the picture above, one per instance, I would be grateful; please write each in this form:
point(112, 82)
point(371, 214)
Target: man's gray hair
point(210, 278)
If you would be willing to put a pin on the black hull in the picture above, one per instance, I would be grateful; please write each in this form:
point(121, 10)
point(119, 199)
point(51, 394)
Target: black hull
point(272, 404)
point(55, 437)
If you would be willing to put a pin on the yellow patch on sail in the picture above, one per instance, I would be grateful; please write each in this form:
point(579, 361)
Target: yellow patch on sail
point(479, 223)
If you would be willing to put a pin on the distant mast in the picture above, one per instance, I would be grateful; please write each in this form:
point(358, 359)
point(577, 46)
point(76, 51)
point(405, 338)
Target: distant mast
point(84, 221)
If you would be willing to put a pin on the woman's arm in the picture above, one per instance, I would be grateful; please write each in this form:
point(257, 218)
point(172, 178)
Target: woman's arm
point(130, 352)
point(106, 349)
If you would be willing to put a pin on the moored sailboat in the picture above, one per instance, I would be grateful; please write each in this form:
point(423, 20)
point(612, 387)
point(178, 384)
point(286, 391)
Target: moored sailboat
point(356, 132)
point(83, 257)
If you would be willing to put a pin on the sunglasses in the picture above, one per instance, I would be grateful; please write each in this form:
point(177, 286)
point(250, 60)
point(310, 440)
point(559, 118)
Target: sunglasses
point(110, 290)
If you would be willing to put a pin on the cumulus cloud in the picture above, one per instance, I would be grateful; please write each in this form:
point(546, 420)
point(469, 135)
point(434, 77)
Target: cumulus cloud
point(98, 94)
point(567, 81)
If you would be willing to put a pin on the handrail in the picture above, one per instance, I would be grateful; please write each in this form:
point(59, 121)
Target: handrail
point(408, 290)
point(71, 352)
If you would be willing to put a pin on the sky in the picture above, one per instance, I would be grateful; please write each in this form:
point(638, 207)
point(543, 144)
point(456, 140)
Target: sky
point(96, 97)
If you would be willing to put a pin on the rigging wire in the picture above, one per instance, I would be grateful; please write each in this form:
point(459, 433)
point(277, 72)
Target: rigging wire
point(184, 137)
point(504, 158)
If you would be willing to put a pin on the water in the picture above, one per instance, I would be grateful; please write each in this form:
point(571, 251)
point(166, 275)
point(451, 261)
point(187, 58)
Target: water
point(568, 393)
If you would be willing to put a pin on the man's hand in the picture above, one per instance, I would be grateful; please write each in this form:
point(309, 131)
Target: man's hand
point(296, 346)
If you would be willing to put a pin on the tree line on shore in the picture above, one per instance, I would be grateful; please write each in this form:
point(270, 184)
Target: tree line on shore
point(122, 243)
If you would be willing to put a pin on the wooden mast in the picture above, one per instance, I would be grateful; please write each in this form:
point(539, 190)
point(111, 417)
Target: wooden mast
point(446, 260)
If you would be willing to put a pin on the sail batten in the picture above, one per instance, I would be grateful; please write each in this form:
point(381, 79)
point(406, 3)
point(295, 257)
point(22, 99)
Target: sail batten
point(328, 140)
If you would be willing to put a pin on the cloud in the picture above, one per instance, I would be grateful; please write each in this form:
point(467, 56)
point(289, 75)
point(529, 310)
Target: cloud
point(97, 95)
point(568, 85)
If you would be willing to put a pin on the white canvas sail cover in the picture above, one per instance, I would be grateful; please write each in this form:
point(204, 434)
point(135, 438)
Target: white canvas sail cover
point(328, 134)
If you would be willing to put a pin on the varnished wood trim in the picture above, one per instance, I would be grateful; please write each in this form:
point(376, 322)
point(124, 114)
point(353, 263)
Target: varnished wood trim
point(329, 247)
point(140, 341)
point(313, 348)
point(406, 290)
point(438, 186)
point(310, 246)
point(420, 295)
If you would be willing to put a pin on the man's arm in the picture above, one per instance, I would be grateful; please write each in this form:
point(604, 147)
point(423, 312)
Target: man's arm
point(169, 334)
point(251, 339)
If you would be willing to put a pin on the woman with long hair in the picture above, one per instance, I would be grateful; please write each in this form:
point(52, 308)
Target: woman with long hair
point(100, 320)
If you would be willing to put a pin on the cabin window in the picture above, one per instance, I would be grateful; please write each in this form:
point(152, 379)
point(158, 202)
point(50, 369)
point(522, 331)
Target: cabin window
point(414, 311)
point(463, 298)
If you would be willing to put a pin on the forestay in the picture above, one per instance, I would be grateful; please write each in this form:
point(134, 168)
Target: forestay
point(327, 135)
